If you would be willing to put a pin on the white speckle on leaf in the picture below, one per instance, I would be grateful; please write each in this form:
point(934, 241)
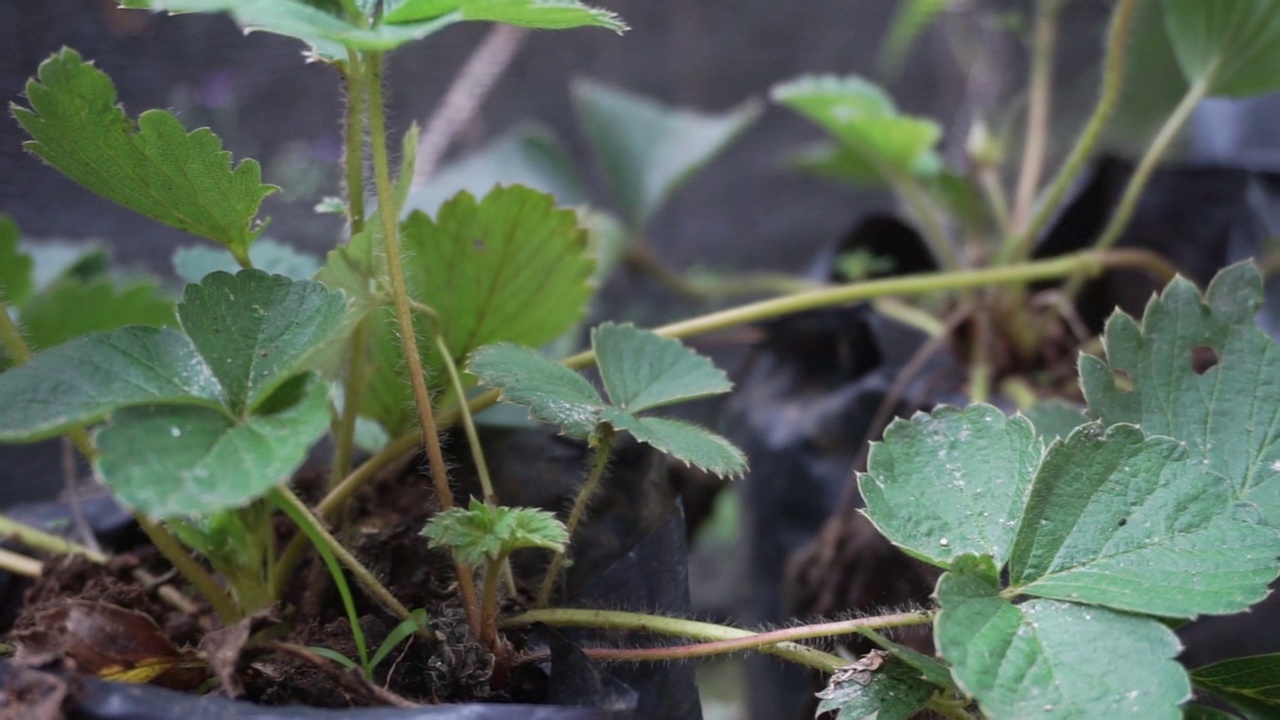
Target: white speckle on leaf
point(175, 431)
point(944, 542)
point(1275, 466)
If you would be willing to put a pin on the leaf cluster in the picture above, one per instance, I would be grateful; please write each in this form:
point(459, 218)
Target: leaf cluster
point(640, 371)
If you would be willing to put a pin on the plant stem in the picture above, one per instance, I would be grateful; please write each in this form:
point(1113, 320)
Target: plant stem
point(1142, 174)
point(604, 447)
point(1155, 153)
point(353, 150)
point(352, 397)
point(758, 641)
point(38, 539)
point(177, 555)
point(285, 497)
point(720, 638)
point(20, 564)
point(489, 605)
point(404, 317)
point(1041, 98)
point(1018, 247)
point(931, 226)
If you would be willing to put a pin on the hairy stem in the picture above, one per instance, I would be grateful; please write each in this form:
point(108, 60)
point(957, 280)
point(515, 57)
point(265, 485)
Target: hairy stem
point(1038, 109)
point(353, 141)
point(489, 605)
point(719, 638)
point(600, 461)
point(404, 318)
point(1018, 247)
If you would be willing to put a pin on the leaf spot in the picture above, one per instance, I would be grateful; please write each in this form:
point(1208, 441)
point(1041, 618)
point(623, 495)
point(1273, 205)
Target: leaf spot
point(1203, 357)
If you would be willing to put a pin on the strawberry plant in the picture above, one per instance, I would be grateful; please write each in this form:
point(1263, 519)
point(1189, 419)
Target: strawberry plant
point(1064, 560)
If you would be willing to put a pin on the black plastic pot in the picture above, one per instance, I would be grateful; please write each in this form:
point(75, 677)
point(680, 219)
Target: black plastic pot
point(632, 556)
point(804, 408)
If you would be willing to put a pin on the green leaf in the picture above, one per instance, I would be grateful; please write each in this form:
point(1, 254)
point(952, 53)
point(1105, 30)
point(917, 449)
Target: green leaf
point(256, 331)
point(1250, 683)
point(1233, 45)
point(1120, 519)
point(508, 268)
point(16, 267)
point(193, 263)
point(876, 143)
point(177, 460)
point(647, 149)
point(683, 441)
point(83, 381)
point(642, 370)
point(70, 308)
point(154, 167)
point(1228, 416)
point(1050, 659)
point(1055, 418)
point(335, 656)
point(891, 691)
point(541, 14)
point(481, 532)
point(951, 482)
point(528, 155)
point(552, 392)
point(399, 634)
point(328, 35)
point(926, 666)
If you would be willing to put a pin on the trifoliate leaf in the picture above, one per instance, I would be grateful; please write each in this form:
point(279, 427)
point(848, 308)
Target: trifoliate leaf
point(1251, 684)
point(193, 263)
point(683, 441)
point(875, 687)
point(1228, 414)
point(642, 370)
point(1120, 519)
point(1051, 659)
point(552, 392)
point(1055, 418)
point(876, 143)
point(16, 278)
point(951, 482)
point(153, 167)
point(648, 149)
point(1232, 45)
point(481, 532)
point(528, 155)
point(328, 34)
point(541, 14)
point(70, 308)
point(256, 330)
point(85, 380)
point(173, 460)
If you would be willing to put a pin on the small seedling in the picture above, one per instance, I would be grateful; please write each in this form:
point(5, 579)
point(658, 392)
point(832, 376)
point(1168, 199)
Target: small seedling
point(486, 535)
